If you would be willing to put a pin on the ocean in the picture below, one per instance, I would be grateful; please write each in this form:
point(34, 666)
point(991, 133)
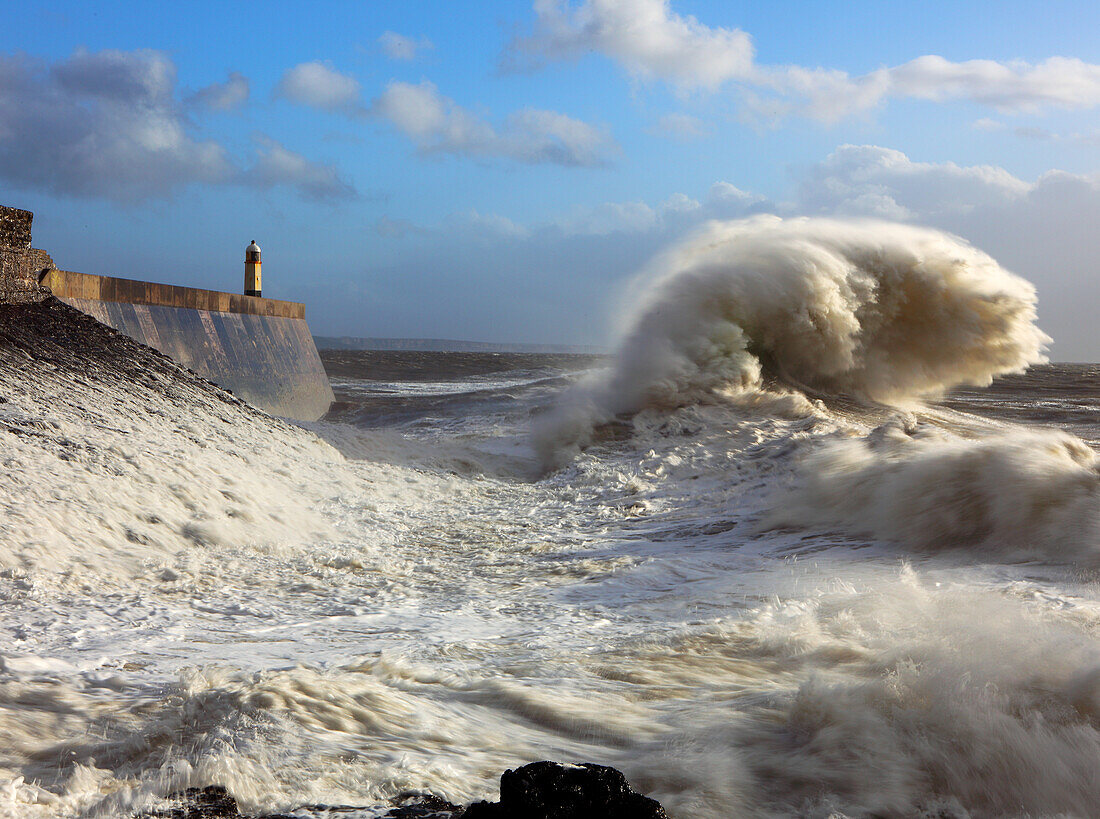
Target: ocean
point(770, 558)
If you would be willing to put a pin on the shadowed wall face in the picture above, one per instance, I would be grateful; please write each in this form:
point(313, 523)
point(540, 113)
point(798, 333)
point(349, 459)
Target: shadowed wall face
point(259, 349)
point(269, 361)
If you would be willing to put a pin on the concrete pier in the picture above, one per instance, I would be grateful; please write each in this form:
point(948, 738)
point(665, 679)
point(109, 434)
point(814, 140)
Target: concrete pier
point(259, 349)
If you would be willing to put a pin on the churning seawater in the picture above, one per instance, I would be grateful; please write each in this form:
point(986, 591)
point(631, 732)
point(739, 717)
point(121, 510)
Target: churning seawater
point(746, 559)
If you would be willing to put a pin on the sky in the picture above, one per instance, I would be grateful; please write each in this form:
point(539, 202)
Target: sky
point(501, 171)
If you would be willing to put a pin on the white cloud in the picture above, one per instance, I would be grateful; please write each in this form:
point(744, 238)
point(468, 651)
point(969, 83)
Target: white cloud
point(399, 47)
point(1059, 82)
point(534, 136)
point(101, 124)
point(1035, 133)
point(651, 41)
point(319, 85)
point(727, 193)
point(222, 96)
point(429, 118)
point(277, 165)
point(1012, 87)
point(682, 127)
point(822, 94)
point(680, 203)
point(608, 218)
point(874, 181)
point(645, 36)
point(438, 124)
point(678, 212)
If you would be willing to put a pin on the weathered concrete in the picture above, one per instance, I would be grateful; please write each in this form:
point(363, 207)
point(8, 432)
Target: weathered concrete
point(66, 284)
point(259, 349)
point(269, 361)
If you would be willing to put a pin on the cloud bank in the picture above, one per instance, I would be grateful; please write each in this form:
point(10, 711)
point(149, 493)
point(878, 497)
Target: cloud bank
point(109, 124)
point(645, 36)
point(652, 42)
point(1043, 230)
point(223, 96)
point(278, 165)
point(438, 125)
point(100, 124)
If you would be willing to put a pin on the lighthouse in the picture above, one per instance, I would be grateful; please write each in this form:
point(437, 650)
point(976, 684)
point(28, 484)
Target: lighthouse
point(252, 269)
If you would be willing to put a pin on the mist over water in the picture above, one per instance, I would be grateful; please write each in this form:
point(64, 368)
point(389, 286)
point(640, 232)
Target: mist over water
point(751, 559)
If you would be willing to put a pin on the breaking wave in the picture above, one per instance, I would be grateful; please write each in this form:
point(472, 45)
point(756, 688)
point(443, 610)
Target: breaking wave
point(869, 310)
point(1023, 493)
point(194, 593)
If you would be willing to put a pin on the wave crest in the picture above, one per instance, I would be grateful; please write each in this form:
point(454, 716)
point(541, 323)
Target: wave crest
point(877, 310)
point(873, 310)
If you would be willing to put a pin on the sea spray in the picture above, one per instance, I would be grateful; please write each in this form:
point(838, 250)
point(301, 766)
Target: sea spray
point(1016, 494)
point(121, 464)
point(876, 311)
point(636, 608)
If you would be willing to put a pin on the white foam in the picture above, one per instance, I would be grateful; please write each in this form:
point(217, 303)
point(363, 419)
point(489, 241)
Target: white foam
point(879, 311)
point(403, 610)
point(1020, 493)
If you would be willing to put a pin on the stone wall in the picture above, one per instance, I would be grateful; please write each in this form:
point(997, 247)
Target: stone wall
point(20, 264)
point(269, 361)
point(15, 228)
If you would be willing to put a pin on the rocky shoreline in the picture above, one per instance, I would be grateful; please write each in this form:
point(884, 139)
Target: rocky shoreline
point(540, 790)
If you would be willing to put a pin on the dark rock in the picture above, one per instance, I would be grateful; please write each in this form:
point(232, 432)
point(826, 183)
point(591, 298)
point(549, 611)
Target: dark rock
point(424, 807)
point(547, 790)
point(213, 802)
point(541, 790)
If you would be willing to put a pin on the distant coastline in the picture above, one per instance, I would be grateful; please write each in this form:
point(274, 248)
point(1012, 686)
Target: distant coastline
point(445, 345)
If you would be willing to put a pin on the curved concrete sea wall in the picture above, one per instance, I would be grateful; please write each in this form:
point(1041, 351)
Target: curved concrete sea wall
point(259, 349)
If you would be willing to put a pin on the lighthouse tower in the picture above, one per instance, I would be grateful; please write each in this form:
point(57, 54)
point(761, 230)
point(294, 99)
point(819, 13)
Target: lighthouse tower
point(252, 269)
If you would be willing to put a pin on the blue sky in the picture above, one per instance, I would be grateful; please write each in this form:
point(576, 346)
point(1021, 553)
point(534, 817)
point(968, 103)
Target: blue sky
point(500, 170)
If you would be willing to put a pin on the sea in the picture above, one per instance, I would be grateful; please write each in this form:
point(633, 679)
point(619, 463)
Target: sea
point(819, 538)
